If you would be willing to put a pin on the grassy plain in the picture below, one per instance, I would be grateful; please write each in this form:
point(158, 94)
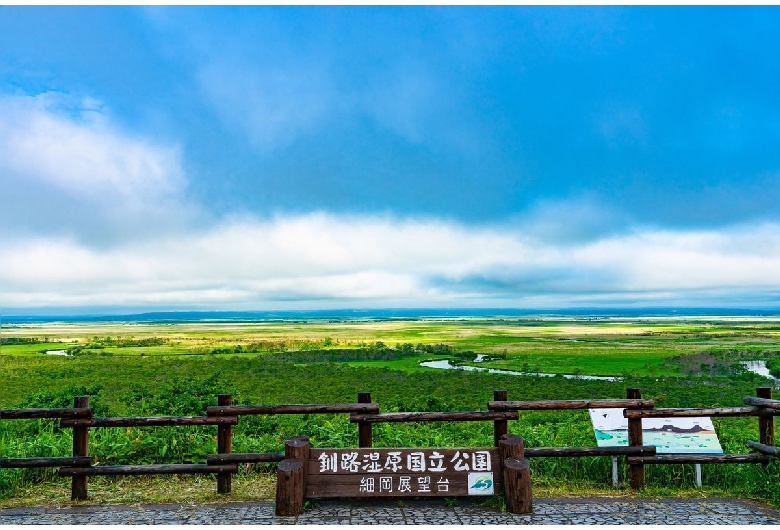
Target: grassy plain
point(179, 368)
point(595, 346)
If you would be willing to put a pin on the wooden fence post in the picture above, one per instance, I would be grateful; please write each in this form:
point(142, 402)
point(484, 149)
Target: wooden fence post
point(289, 487)
point(224, 445)
point(500, 427)
point(766, 424)
point(297, 447)
point(516, 474)
point(511, 445)
point(78, 487)
point(636, 471)
point(291, 477)
point(365, 437)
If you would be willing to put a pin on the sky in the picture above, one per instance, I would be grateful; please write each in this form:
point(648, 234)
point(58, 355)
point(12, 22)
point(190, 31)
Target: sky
point(265, 158)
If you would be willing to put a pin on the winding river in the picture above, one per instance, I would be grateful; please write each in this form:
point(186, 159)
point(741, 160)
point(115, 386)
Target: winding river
point(758, 367)
point(446, 364)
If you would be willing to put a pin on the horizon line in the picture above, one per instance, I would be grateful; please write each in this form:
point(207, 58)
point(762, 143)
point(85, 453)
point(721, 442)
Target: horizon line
point(184, 315)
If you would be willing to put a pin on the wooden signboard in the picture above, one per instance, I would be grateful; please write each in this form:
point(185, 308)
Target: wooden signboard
point(404, 472)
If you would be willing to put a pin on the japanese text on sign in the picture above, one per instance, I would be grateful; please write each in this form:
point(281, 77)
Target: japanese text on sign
point(398, 461)
point(402, 472)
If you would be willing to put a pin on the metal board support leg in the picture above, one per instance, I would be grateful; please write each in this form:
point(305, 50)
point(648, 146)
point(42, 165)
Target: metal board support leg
point(614, 471)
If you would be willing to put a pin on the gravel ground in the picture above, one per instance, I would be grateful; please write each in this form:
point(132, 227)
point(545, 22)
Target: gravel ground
point(590, 510)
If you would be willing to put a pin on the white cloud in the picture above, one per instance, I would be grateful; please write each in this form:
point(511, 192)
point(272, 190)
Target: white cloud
point(82, 155)
point(693, 260)
point(321, 260)
point(64, 163)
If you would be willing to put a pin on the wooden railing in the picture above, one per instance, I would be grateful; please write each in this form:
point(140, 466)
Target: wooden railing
point(225, 415)
point(764, 408)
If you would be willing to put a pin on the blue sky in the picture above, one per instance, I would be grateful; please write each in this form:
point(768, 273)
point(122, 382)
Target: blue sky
point(338, 157)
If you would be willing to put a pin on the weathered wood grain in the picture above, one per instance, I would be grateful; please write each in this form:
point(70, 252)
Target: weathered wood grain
point(766, 424)
point(762, 402)
point(770, 450)
point(148, 469)
point(290, 488)
point(297, 447)
point(224, 443)
point(150, 421)
point(53, 461)
point(517, 485)
point(365, 430)
point(433, 416)
point(565, 404)
point(510, 445)
point(243, 458)
point(500, 427)
point(24, 414)
point(636, 471)
point(693, 413)
point(536, 452)
point(78, 486)
point(699, 459)
point(238, 410)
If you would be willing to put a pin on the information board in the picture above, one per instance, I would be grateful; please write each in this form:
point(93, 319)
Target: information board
point(395, 472)
point(668, 435)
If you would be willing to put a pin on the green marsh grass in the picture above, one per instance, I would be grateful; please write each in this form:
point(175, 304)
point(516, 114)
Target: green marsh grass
point(315, 363)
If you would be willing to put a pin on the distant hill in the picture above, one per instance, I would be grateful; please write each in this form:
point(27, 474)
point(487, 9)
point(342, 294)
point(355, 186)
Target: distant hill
point(184, 316)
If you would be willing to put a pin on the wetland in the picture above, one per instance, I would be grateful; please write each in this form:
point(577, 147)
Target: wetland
point(136, 368)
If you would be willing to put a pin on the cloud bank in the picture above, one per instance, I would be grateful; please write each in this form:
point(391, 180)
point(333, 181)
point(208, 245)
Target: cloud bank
point(325, 260)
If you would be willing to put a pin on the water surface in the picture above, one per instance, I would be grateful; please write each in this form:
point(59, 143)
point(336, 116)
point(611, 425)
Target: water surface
point(759, 367)
point(446, 364)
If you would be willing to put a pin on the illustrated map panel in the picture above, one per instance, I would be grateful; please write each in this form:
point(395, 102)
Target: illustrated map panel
point(668, 435)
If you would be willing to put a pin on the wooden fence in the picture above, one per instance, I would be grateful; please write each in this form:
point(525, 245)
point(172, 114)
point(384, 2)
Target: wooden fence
point(364, 413)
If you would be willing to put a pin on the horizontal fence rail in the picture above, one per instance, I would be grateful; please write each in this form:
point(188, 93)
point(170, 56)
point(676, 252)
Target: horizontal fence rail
point(51, 461)
point(764, 448)
point(28, 414)
point(693, 413)
point(589, 451)
point(762, 402)
point(566, 404)
point(147, 469)
point(700, 459)
point(501, 410)
point(151, 421)
point(236, 410)
point(243, 458)
point(432, 416)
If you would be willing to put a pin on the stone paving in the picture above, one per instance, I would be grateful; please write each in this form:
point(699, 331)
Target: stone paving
point(590, 510)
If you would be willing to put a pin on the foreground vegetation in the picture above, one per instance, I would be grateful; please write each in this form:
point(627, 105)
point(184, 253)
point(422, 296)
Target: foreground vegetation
point(131, 370)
